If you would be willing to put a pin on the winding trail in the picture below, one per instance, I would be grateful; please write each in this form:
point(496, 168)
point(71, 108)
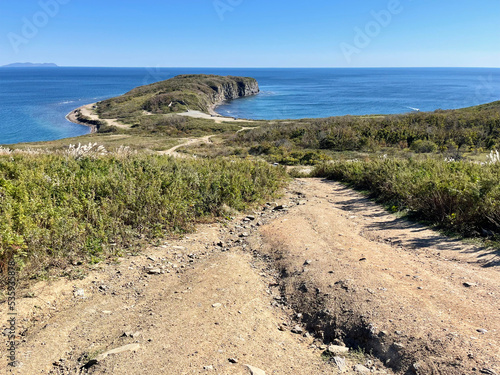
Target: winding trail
point(188, 142)
point(266, 290)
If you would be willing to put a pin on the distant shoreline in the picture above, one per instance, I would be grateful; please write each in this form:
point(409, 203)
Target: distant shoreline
point(72, 117)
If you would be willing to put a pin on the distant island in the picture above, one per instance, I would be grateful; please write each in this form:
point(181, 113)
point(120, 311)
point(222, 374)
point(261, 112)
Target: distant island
point(30, 65)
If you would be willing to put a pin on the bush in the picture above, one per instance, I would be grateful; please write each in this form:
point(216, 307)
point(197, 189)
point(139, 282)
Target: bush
point(421, 146)
point(459, 195)
point(63, 207)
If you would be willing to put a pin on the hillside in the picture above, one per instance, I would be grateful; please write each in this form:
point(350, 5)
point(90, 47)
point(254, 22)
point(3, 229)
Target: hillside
point(178, 94)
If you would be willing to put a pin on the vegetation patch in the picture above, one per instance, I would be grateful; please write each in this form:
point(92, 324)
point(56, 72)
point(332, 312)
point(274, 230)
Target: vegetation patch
point(196, 92)
point(79, 206)
point(460, 196)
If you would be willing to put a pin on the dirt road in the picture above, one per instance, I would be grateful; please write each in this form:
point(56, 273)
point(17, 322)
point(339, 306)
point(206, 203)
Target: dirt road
point(271, 290)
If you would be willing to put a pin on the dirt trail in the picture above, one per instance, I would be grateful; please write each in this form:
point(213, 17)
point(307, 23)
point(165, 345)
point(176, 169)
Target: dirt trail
point(356, 275)
point(186, 142)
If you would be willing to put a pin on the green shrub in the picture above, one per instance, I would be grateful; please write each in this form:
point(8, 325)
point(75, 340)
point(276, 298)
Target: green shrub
point(58, 207)
point(460, 196)
point(423, 146)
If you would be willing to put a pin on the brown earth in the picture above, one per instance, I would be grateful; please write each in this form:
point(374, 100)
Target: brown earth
point(330, 265)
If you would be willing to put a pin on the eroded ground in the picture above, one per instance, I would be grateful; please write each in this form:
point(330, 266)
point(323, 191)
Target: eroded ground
point(271, 291)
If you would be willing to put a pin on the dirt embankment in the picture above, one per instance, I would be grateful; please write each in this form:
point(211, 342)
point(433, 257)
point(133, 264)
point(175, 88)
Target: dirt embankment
point(271, 291)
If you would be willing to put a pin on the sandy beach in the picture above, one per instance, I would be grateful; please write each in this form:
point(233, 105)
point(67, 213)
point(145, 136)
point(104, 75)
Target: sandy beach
point(85, 110)
point(88, 110)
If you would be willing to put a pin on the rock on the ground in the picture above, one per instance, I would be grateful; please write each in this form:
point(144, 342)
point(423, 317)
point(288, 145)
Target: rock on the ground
point(255, 370)
point(337, 349)
point(340, 362)
point(121, 349)
point(360, 369)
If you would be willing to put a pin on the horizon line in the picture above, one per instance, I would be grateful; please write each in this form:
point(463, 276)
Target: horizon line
point(260, 67)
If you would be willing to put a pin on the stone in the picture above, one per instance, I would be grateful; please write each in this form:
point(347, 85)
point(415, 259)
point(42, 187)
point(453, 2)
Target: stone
point(244, 234)
point(340, 362)
point(215, 305)
point(298, 330)
point(360, 369)
point(208, 368)
point(482, 330)
point(337, 349)
point(233, 360)
point(307, 262)
point(487, 371)
point(469, 285)
point(79, 293)
point(121, 349)
point(154, 271)
point(250, 217)
point(151, 258)
point(255, 370)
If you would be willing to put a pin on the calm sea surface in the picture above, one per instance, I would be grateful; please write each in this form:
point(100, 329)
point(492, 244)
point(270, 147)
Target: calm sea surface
point(35, 101)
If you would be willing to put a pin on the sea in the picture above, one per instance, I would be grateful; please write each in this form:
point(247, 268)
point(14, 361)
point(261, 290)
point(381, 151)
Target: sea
point(35, 101)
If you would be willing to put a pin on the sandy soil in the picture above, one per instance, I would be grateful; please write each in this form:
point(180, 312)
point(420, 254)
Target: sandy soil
point(88, 110)
point(185, 143)
point(271, 290)
point(213, 116)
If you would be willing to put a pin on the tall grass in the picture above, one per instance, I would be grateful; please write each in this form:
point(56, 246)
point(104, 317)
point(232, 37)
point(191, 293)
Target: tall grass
point(458, 195)
point(61, 207)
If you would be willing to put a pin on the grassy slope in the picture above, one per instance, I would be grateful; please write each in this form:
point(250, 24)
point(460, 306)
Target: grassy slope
point(196, 92)
point(303, 141)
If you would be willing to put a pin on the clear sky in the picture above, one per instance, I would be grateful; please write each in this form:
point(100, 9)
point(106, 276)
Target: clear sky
point(251, 33)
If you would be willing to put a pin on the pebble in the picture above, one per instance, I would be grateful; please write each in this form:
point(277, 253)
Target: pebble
point(154, 271)
point(297, 329)
point(208, 368)
point(482, 330)
point(215, 305)
point(255, 370)
point(233, 360)
point(121, 349)
point(360, 369)
point(469, 285)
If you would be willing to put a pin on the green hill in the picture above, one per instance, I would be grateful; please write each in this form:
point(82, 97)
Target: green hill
point(195, 92)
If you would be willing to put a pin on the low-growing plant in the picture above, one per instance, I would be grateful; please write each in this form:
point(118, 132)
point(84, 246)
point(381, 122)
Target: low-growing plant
point(460, 196)
point(85, 204)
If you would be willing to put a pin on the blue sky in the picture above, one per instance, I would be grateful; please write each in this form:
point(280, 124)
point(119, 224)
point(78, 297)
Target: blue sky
point(251, 33)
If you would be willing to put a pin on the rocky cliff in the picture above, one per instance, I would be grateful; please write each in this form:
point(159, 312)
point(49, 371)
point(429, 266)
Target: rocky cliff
point(196, 92)
point(236, 88)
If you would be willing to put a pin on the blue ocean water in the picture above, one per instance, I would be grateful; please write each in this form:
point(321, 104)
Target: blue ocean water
point(35, 101)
